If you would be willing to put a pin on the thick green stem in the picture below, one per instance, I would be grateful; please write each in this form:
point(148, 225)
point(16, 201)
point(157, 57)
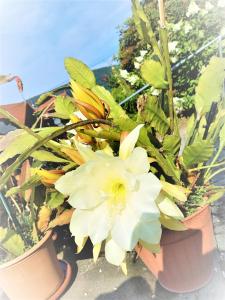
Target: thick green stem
point(164, 42)
point(104, 134)
point(13, 120)
point(11, 169)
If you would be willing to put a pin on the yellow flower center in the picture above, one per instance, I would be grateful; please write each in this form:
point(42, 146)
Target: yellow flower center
point(117, 201)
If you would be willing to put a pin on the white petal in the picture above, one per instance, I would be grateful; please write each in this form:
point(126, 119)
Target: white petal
point(127, 146)
point(79, 223)
point(68, 183)
point(85, 151)
point(94, 223)
point(99, 224)
point(149, 232)
point(137, 162)
point(123, 231)
point(143, 200)
point(113, 253)
point(86, 197)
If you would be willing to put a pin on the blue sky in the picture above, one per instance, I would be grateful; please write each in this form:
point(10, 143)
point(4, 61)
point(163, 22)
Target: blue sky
point(36, 36)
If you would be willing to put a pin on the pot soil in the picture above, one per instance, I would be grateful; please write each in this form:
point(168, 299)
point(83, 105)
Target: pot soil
point(186, 259)
point(37, 274)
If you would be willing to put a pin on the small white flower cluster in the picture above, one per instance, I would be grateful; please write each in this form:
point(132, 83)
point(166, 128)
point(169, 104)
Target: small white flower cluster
point(131, 78)
point(192, 9)
point(139, 59)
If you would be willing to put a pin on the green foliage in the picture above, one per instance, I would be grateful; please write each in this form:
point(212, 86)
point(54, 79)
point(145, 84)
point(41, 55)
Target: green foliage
point(18, 141)
point(210, 84)
point(54, 199)
point(11, 243)
point(46, 156)
point(171, 144)
point(198, 152)
point(187, 33)
point(152, 114)
point(64, 107)
point(78, 71)
point(153, 72)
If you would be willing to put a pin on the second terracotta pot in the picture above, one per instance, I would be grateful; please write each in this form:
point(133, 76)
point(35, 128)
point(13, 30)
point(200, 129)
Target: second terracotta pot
point(186, 259)
point(35, 275)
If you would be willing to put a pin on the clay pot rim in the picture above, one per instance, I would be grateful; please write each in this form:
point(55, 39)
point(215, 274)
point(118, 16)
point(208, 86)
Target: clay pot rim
point(28, 252)
point(198, 212)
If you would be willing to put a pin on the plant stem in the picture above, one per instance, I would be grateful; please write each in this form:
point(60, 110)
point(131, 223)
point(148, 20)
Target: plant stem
point(164, 41)
point(208, 166)
point(104, 134)
point(214, 174)
point(13, 120)
point(22, 157)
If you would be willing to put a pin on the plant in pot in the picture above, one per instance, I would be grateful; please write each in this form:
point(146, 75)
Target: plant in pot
point(127, 197)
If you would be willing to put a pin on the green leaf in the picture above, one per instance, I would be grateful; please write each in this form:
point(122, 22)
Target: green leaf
point(171, 144)
point(198, 152)
point(14, 244)
point(30, 183)
point(152, 71)
point(64, 107)
point(80, 72)
point(43, 98)
point(168, 207)
point(54, 199)
point(171, 223)
point(16, 142)
point(43, 155)
point(210, 85)
point(153, 115)
point(11, 241)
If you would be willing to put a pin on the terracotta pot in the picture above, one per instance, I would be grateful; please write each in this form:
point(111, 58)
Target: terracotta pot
point(36, 275)
point(186, 259)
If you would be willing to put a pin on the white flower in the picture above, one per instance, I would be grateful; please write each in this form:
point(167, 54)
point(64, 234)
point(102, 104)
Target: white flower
point(154, 91)
point(139, 59)
point(174, 59)
point(137, 65)
point(172, 46)
point(133, 79)
point(208, 6)
point(187, 27)
point(221, 3)
point(114, 199)
point(124, 74)
point(143, 52)
point(192, 9)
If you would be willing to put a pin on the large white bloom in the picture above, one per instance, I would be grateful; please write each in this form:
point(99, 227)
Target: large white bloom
point(114, 199)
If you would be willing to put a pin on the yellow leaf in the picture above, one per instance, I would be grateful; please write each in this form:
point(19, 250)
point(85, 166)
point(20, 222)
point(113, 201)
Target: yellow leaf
point(96, 251)
point(62, 219)
point(178, 192)
point(43, 218)
point(74, 155)
point(171, 223)
point(80, 241)
point(124, 268)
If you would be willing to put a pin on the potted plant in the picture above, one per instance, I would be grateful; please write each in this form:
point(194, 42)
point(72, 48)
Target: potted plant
point(127, 197)
point(29, 267)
